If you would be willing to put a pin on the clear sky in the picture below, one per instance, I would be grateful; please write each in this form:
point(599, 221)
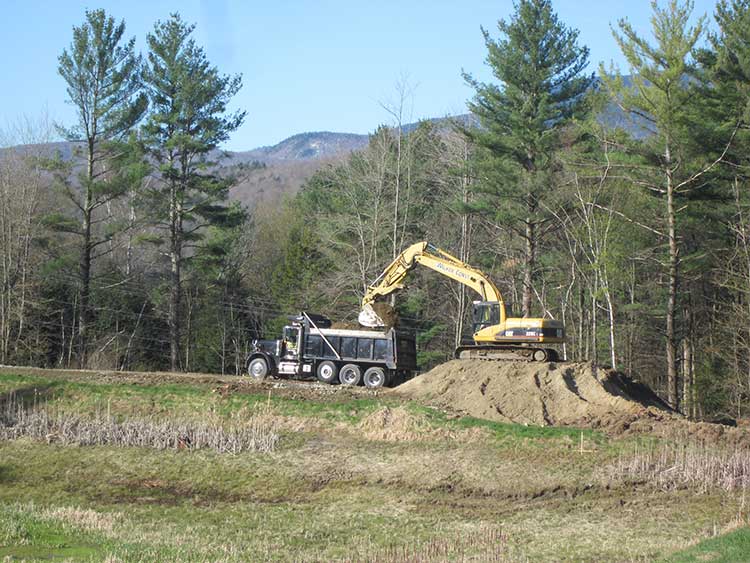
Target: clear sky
point(307, 65)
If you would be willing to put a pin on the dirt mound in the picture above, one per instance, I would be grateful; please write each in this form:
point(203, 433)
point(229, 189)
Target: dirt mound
point(574, 394)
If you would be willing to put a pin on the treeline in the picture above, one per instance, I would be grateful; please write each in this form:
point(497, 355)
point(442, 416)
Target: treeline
point(617, 202)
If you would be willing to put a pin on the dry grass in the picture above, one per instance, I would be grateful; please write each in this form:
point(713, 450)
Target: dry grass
point(394, 425)
point(485, 544)
point(687, 465)
point(255, 433)
point(397, 424)
point(82, 518)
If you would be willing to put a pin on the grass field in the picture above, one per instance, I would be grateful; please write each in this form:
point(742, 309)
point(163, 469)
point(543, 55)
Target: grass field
point(352, 476)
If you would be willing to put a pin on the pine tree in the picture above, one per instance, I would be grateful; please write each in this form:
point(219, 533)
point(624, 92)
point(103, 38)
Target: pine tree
point(101, 72)
point(726, 64)
point(661, 97)
point(730, 63)
point(188, 121)
point(540, 68)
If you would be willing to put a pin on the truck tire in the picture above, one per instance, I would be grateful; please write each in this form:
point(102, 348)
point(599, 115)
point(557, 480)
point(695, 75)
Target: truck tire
point(375, 378)
point(350, 374)
point(258, 369)
point(327, 372)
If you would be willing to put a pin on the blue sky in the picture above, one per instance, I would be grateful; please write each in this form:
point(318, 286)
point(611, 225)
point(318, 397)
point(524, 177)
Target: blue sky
point(306, 65)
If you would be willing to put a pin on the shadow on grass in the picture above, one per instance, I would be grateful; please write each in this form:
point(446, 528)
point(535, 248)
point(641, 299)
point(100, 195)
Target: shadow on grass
point(6, 474)
point(25, 397)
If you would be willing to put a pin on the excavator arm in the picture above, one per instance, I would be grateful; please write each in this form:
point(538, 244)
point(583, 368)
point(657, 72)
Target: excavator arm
point(425, 254)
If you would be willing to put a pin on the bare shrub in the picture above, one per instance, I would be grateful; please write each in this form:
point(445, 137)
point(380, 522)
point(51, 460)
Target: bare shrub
point(257, 433)
point(687, 465)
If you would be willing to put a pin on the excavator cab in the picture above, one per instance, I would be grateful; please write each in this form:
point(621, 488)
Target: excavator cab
point(484, 314)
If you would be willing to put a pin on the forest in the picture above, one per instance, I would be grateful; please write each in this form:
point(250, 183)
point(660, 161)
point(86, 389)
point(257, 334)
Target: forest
point(617, 201)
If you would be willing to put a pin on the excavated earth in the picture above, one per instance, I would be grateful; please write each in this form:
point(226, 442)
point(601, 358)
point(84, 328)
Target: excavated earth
point(564, 394)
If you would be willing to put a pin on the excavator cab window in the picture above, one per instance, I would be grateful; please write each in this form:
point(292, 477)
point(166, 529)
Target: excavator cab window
point(486, 313)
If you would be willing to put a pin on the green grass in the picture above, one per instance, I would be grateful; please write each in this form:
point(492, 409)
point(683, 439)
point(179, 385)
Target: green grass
point(507, 431)
point(733, 547)
point(129, 398)
point(328, 492)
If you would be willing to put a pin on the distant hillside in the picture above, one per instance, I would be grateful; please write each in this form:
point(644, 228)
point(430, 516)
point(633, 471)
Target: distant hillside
point(306, 146)
point(269, 173)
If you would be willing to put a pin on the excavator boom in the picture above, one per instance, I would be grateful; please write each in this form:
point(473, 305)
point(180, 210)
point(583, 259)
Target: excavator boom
point(425, 254)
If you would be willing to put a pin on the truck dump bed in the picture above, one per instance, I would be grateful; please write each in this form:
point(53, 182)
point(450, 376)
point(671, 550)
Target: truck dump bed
point(396, 350)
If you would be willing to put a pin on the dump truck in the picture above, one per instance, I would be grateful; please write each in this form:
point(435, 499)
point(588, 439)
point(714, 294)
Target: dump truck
point(309, 348)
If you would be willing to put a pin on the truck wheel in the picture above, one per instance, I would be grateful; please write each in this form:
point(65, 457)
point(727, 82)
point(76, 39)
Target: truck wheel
point(327, 372)
point(258, 369)
point(375, 378)
point(350, 374)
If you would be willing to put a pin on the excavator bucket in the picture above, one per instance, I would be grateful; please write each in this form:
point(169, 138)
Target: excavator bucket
point(369, 318)
point(378, 315)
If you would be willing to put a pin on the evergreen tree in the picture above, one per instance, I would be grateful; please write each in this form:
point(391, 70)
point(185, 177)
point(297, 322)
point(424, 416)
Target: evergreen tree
point(662, 98)
point(729, 63)
point(540, 69)
point(727, 67)
point(101, 72)
point(188, 121)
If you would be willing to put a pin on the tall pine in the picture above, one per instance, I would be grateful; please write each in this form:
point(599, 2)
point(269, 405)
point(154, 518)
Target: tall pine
point(541, 82)
point(660, 97)
point(187, 122)
point(102, 76)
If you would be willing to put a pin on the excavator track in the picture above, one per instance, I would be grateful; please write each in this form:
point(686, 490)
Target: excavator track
point(507, 352)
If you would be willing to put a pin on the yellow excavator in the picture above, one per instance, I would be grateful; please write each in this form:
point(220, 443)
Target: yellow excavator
point(496, 336)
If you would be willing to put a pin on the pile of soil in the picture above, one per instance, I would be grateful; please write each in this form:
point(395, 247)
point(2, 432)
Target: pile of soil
point(570, 394)
point(574, 394)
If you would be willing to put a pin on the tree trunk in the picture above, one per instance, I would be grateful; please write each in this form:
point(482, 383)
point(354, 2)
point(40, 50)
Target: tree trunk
point(671, 348)
point(463, 253)
point(611, 316)
point(85, 263)
point(594, 306)
point(582, 347)
point(175, 256)
point(529, 263)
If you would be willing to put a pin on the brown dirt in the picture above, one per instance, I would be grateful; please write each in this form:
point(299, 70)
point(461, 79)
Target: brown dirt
point(569, 394)
point(540, 394)
point(531, 393)
point(386, 313)
point(346, 325)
